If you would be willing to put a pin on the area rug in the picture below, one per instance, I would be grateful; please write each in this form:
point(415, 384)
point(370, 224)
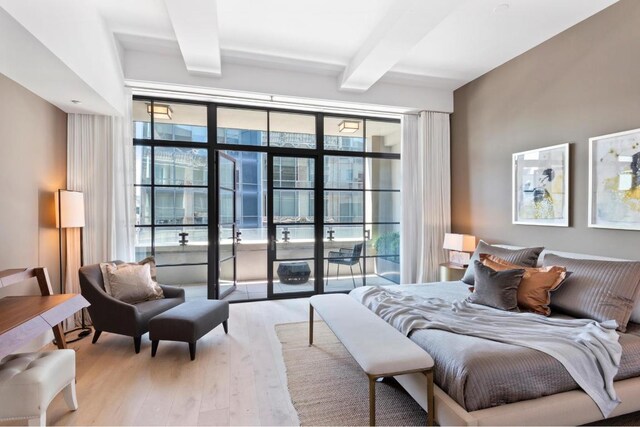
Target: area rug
point(327, 386)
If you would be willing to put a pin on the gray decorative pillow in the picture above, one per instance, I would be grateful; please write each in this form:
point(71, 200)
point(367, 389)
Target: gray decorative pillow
point(526, 257)
point(599, 290)
point(497, 289)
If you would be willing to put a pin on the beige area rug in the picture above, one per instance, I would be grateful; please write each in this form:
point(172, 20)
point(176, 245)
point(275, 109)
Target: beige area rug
point(327, 386)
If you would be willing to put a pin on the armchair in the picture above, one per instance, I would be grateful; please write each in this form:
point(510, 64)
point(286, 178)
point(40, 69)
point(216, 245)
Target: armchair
point(112, 315)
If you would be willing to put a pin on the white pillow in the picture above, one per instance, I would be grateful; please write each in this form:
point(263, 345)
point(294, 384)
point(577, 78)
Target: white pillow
point(132, 283)
point(148, 260)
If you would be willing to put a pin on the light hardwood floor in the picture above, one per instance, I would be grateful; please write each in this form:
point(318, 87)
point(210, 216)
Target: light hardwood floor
point(237, 379)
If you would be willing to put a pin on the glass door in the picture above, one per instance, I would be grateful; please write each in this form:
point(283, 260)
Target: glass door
point(292, 225)
point(228, 234)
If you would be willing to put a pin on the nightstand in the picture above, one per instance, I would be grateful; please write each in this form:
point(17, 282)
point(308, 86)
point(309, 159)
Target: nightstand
point(450, 272)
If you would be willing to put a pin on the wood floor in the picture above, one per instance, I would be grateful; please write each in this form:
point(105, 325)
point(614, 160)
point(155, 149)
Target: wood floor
point(236, 379)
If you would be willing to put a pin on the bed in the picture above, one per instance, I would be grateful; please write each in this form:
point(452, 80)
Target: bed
point(482, 382)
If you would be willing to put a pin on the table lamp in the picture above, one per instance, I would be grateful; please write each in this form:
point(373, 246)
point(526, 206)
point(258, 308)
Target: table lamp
point(460, 247)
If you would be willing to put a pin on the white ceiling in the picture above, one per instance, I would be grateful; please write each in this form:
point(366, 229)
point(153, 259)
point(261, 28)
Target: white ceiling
point(386, 56)
point(444, 43)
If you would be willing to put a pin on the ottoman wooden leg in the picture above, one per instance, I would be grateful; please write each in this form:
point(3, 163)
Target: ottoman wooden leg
point(192, 350)
point(136, 343)
point(225, 325)
point(154, 347)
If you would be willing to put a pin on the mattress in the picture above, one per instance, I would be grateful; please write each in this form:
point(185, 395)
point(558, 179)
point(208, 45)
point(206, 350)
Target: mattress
point(478, 373)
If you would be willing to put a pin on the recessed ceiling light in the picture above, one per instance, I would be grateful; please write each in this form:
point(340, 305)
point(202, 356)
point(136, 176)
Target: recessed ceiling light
point(348, 126)
point(75, 101)
point(501, 8)
point(160, 111)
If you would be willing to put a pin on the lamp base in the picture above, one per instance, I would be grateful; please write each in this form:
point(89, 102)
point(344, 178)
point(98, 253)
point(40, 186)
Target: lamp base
point(459, 258)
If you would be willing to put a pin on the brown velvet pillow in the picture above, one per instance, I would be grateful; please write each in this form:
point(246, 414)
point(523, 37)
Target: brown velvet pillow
point(497, 289)
point(534, 292)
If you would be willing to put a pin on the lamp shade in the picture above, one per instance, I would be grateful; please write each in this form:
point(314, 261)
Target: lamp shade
point(459, 242)
point(69, 209)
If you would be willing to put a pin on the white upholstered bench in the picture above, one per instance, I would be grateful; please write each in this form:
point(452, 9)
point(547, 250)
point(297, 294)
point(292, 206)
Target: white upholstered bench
point(379, 349)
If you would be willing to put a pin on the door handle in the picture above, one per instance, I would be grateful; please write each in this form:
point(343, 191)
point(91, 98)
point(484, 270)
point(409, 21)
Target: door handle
point(367, 234)
point(238, 236)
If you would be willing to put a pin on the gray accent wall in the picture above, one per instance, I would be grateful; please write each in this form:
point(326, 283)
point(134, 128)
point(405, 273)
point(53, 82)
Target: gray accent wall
point(33, 164)
point(581, 83)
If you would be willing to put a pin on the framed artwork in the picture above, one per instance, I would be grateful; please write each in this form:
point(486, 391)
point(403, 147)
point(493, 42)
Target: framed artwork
point(541, 186)
point(614, 181)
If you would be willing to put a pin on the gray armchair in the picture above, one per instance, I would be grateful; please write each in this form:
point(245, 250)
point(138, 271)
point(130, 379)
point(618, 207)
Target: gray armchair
point(112, 315)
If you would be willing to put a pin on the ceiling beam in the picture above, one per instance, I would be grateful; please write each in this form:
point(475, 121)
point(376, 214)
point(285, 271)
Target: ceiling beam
point(195, 23)
point(406, 23)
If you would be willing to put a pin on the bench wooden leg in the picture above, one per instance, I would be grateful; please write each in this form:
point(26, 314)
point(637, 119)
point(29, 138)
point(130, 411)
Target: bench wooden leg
point(430, 398)
point(372, 401)
point(310, 325)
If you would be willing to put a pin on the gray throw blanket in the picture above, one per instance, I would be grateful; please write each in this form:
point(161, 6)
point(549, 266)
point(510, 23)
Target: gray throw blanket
point(587, 349)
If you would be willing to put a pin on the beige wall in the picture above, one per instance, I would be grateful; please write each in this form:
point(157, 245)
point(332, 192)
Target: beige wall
point(584, 82)
point(32, 166)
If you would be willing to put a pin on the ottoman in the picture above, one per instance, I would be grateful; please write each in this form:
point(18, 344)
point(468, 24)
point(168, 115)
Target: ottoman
point(188, 322)
point(294, 273)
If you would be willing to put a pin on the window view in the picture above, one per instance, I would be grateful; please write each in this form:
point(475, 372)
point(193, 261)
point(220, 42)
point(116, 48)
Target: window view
point(172, 191)
point(269, 225)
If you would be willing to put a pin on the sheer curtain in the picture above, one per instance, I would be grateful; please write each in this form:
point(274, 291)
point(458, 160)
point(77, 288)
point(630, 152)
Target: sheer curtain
point(100, 164)
point(426, 195)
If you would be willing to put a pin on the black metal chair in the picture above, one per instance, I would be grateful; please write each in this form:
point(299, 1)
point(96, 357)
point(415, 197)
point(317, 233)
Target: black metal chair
point(345, 256)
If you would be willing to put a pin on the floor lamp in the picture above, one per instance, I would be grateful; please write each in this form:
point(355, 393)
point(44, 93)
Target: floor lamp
point(70, 214)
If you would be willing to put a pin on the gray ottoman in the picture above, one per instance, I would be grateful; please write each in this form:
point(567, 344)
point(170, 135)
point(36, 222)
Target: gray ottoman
point(188, 322)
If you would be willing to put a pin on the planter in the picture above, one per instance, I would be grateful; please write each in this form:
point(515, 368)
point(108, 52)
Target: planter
point(388, 269)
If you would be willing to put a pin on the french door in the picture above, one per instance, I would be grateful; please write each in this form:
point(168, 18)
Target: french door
point(228, 234)
point(293, 225)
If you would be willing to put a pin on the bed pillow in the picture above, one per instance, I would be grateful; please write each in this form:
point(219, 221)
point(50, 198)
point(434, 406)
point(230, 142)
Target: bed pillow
point(534, 292)
point(132, 283)
point(497, 289)
point(599, 290)
point(526, 257)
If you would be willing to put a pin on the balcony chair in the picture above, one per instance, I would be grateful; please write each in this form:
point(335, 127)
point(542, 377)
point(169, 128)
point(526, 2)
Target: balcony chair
point(345, 256)
point(112, 315)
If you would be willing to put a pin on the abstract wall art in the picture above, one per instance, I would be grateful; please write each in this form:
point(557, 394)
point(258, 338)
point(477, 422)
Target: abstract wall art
point(614, 181)
point(541, 186)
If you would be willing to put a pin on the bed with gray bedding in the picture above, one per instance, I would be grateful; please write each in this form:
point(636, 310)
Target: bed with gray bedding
point(478, 373)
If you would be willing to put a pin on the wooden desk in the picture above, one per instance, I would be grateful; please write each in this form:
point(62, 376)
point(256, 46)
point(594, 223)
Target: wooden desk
point(26, 317)
point(23, 318)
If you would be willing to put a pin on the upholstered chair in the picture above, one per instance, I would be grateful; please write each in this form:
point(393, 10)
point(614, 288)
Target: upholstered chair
point(112, 315)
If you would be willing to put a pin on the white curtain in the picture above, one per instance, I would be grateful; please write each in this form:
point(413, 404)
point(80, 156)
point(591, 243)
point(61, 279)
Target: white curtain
point(100, 164)
point(426, 195)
